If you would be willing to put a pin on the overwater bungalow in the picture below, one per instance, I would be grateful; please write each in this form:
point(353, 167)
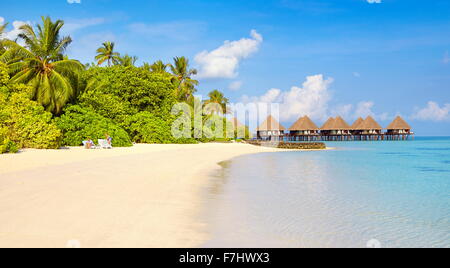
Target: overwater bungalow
point(304, 130)
point(335, 129)
point(398, 130)
point(327, 128)
point(369, 129)
point(270, 129)
point(354, 128)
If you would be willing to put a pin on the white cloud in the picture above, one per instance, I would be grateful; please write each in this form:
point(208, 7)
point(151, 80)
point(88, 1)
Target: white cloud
point(364, 109)
point(433, 112)
point(236, 85)
point(75, 25)
point(13, 33)
point(374, 1)
point(74, 1)
point(311, 99)
point(223, 62)
point(344, 110)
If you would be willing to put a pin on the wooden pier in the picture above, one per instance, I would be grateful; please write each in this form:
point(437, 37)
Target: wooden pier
point(335, 129)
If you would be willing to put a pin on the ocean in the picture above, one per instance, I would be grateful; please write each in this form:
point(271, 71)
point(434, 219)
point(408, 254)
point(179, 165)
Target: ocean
point(362, 194)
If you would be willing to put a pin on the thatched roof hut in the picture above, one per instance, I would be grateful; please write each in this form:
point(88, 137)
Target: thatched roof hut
point(369, 124)
point(340, 124)
point(328, 125)
point(356, 124)
point(399, 124)
point(304, 124)
point(271, 124)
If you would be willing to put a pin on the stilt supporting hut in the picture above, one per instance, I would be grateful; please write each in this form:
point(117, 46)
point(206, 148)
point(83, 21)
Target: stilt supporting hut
point(304, 130)
point(355, 128)
point(336, 129)
point(369, 129)
point(270, 130)
point(327, 129)
point(398, 130)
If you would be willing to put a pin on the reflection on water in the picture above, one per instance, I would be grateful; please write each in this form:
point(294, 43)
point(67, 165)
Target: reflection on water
point(341, 198)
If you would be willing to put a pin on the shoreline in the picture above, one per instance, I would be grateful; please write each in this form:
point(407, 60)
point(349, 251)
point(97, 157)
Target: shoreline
point(142, 196)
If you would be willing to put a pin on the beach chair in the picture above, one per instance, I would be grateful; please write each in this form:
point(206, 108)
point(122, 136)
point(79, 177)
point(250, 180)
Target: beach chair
point(92, 147)
point(104, 144)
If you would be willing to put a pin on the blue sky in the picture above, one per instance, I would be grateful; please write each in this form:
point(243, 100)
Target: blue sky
point(321, 58)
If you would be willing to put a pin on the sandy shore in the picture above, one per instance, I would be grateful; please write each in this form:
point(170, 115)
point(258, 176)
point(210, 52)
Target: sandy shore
point(144, 196)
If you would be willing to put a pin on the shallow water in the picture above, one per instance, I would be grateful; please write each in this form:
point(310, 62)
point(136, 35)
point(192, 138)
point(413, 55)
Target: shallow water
point(395, 192)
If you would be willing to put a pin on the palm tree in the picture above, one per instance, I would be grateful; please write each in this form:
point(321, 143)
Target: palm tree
point(159, 67)
point(218, 98)
point(182, 78)
point(2, 30)
point(42, 64)
point(127, 60)
point(107, 53)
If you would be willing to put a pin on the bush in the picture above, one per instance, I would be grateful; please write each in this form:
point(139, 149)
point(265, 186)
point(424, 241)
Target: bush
point(4, 77)
point(8, 146)
point(26, 122)
point(78, 124)
point(122, 90)
point(145, 127)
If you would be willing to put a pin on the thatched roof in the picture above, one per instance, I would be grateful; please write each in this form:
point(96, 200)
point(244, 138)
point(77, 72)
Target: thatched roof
point(358, 122)
point(304, 123)
point(399, 124)
point(236, 123)
point(370, 124)
point(329, 124)
point(270, 124)
point(340, 124)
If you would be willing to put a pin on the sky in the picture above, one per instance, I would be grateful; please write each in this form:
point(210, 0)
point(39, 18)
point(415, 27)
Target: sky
point(314, 57)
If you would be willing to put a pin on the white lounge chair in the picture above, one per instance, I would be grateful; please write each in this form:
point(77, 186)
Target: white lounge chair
point(92, 147)
point(104, 144)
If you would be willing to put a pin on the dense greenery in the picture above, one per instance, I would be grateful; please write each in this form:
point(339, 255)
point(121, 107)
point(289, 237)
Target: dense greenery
point(42, 64)
point(78, 124)
point(48, 100)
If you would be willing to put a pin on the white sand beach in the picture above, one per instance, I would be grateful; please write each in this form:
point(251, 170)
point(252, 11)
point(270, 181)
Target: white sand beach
point(143, 196)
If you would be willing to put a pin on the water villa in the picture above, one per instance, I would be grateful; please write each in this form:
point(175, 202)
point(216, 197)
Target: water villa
point(270, 129)
point(335, 129)
point(398, 129)
point(304, 130)
point(369, 129)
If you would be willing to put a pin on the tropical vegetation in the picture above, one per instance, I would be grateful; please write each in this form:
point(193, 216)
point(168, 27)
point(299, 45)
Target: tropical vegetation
point(48, 100)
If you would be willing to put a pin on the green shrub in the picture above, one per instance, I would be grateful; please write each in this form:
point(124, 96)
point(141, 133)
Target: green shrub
point(117, 90)
point(8, 146)
point(4, 77)
point(27, 123)
point(78, 124)
point(145, 127)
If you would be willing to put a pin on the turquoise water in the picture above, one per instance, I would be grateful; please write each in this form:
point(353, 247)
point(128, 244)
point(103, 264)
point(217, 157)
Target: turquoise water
point(397, 193)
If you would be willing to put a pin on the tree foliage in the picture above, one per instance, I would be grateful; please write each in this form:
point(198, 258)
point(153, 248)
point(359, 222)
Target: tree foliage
point(185, 85)
point(106, 53)
point(42, 64)
point(27, 123)
point(138, 90)
point(78, 124)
